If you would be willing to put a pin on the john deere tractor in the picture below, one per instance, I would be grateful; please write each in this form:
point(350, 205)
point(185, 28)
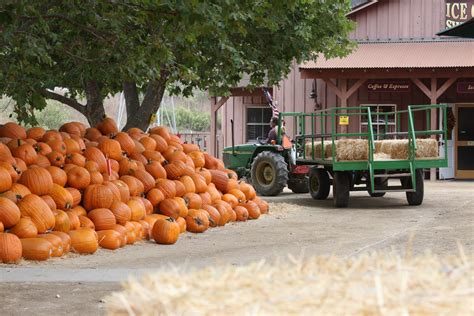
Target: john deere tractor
point(269, 167)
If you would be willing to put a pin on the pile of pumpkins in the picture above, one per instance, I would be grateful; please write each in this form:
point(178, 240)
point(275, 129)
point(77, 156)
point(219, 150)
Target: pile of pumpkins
point(78, 188)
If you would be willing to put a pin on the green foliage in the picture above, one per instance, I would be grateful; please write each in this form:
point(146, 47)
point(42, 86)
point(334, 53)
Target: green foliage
point(192, 120)
point(205, 44)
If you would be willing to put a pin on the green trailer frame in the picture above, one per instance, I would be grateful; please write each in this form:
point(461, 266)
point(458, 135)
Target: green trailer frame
point(370, 166)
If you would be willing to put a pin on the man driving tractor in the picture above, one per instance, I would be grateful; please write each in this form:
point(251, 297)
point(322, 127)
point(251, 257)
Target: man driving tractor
point(272, 134)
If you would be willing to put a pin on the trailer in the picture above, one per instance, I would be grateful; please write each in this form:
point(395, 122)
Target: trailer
point(367, 160)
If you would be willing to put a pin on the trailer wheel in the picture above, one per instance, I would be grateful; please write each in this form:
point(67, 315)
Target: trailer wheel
point(379, 183)
point(319, 184)
point(414, 198)
point(341, 188)
point(269, 173)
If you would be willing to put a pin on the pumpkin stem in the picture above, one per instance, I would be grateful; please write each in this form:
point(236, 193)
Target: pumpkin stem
point(198, 221)
point(170, 219)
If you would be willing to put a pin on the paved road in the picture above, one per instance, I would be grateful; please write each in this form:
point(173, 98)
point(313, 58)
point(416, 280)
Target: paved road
point(297, 225)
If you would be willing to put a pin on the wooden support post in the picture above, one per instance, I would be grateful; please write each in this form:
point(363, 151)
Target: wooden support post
point(215, 106)
point(433, 93)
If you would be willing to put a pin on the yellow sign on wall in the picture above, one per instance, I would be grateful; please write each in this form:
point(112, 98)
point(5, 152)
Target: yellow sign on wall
point(343, 120)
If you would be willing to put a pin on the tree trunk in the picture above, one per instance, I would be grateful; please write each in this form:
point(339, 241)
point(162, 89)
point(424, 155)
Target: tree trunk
point(94, 109)
point(151, 103)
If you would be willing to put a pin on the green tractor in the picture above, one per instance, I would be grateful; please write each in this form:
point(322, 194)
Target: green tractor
point(268, 167)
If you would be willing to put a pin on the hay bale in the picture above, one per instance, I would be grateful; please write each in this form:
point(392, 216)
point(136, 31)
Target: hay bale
point(318, 149)
point(398, 148)
point(370, 284)
point(352, 149)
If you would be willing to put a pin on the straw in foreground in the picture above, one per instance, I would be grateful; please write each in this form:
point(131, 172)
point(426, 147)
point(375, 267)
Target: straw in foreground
point(371, 284)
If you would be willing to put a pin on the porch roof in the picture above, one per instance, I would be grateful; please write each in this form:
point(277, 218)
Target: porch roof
point(465, 29)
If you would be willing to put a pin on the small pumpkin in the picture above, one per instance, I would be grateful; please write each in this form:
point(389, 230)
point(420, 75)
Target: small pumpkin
point(78, 177)
point(121, 211)
point(180, 188)
point(145, 178)
point(74, 221)
point(62, 222)
point(86, 222)
point(137, 208)
point(97, 196)
point(96, 155)
point(65, 239)
point(62, 197)
point(193, 200)
point(107, 126)
point(5, 180)
point(9, 213)
point(25, 228)
point(49, 200)
point(84, 240)
point(166, 186)
point(197, 221)
point(38, 211)
point(252, 208)
point(25, 152)
point(241, 213)
point(123, 189)
point(38, 249)
point(38, 180)
point(109, 239)
point(214, 215)
point(170, 207)
point(56, 242)
point(182, 224)
point(76, 159)
point(155, 169)
point(126, 142)
point(10, 248)
point(35, 133)
point(102, 218)
point(56, 158)
point(165, 231)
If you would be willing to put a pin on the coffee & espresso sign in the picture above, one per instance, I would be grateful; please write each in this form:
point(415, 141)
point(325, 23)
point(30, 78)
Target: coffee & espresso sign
point(388, 86)
point(458, 11)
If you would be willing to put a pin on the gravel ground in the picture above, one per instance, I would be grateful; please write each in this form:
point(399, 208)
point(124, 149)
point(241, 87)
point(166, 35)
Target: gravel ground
point(298, 225)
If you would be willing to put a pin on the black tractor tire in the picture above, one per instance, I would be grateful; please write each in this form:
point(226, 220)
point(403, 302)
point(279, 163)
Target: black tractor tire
point(414, 198)
point(341, 188)
point(379, 183)
point(319, 184)
point(299, 185)
point(269, 173)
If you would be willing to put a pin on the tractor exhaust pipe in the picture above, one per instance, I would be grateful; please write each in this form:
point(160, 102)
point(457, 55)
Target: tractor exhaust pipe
point(232, 131)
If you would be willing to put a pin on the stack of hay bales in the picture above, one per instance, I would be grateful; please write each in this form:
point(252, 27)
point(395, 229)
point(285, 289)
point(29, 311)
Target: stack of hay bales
point(371, 284)
point(357, 149)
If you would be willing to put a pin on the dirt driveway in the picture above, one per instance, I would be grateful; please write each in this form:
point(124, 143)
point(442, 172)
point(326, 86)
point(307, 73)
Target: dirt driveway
point(297, 225)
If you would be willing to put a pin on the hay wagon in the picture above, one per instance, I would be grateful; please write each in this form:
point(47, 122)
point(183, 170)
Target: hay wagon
point(370, 159)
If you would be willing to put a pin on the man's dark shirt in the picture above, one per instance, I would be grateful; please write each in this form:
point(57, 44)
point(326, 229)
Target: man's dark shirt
point(272, 135)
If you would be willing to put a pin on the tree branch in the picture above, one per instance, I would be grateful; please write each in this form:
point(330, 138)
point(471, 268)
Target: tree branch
point(61, 98)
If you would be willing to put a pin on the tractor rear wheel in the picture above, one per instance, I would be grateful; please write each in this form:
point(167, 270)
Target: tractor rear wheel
point(298, 184)
point(319, 183)
point(269, 173)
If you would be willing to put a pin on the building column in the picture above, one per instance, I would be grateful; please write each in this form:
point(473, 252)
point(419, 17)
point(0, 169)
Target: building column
point(215, 106)
point(434, 93)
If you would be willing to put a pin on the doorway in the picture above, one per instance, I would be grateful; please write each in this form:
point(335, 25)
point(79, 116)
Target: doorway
point(464, 142)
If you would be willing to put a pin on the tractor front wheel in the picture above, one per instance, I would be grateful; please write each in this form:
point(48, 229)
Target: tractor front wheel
point(269, 173)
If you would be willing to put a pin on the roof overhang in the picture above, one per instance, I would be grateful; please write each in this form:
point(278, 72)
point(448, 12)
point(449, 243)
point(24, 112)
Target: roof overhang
point(397, 59)
point(465, 30)
point(362, 7)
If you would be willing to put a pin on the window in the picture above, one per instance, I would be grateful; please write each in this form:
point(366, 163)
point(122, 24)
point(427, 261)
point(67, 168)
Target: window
point(258, 122)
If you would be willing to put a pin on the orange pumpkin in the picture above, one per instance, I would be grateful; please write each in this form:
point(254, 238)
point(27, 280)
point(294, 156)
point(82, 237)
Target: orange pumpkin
point(197, 221)
point(61, 222)
point(61, 197)
point(165, 231)
point(84, 240)
point(10, 248)
point(111, 148)
point(35, 133)
point(241, 213)
point(238, 194)
point(155, 169)
point(161, 144)
point(193, 200)
point(126, 142)
point(14, 171)
point(96, 177)
point(166, 186)
point(123, 234)
point(121, 211)
point(9, 213)
point(107, 126)
point(78, 177)
point(76, 159)
point(56, 243)
point(137, 208)
point(148, 142)
point(38, 180)
point(198, 158)
point(65, 240)
point(59, 175)
point(183, 208)
point(155, 196)
point(12, 130)
point(97, 196)
point(231, 199)
point(74, 220)
point(58, 146)
point(92, 134)
point(25, 228)
point(180, 188)
point(5, 180)
point(49, 200)
point(214, 215)
point(169, 207)
point(109, 239)
point(127, 166)
point(252, 208)
point(42, 148)
point(96, 155)
point(42, 161)
point(38, 249)
point(76, 196)
point(123, 189)
point(135, 186)
point(145, 178)
point(38, 211)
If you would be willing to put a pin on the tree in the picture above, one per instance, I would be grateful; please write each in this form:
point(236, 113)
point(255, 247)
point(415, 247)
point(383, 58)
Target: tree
point(96, 48)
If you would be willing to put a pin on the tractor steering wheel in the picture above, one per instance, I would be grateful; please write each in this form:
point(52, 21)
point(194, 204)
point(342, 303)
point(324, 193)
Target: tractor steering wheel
point(262, 140)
